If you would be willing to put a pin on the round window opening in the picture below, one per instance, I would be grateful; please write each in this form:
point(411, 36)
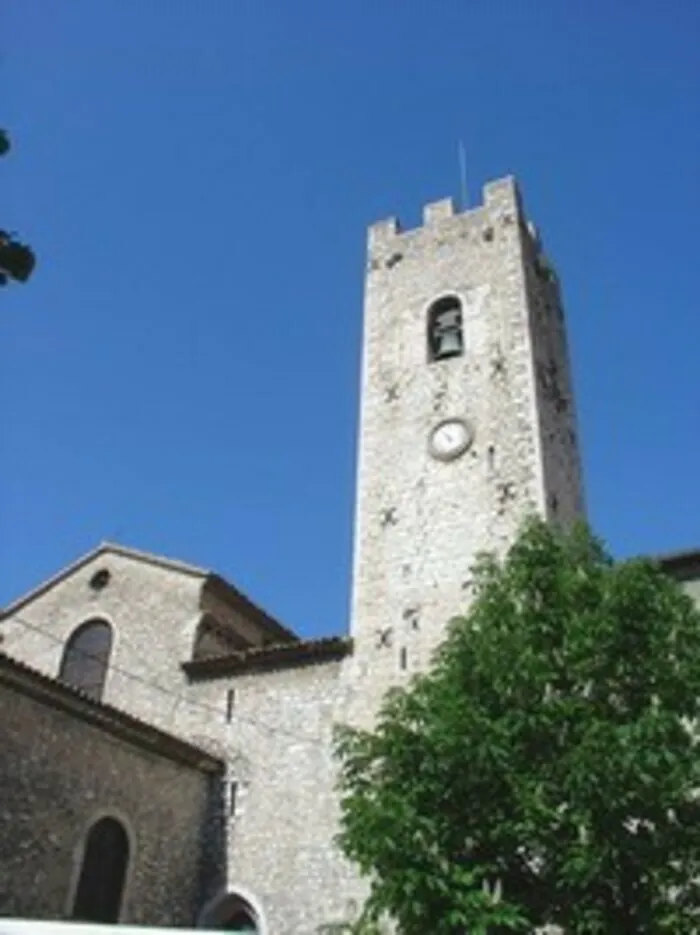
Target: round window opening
point(100, 579)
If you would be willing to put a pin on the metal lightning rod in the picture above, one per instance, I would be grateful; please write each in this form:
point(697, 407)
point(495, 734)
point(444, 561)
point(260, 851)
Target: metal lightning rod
point(462, 175)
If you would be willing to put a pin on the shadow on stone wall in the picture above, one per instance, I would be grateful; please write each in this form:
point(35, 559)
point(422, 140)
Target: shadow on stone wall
point(212, 850)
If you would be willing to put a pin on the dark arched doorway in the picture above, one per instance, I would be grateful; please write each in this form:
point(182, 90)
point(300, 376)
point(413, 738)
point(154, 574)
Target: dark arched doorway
point(240, 921)
point(98, 897)
point(233, 913)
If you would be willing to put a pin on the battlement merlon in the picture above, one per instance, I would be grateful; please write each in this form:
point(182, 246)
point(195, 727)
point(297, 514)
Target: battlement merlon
point(501, 195)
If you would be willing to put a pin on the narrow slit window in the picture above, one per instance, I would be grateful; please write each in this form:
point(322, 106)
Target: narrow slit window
point(230, 702)
point(403, 658)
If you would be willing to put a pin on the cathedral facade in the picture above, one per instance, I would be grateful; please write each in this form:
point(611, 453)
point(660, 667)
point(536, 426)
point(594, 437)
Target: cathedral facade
point(197, 727)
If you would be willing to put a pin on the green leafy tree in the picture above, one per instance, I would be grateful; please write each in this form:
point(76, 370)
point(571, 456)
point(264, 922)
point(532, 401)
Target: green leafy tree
point(545, 771)
point(17, 260)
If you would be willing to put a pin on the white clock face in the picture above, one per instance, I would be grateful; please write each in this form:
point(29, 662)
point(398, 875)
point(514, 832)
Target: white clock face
point(450, 439)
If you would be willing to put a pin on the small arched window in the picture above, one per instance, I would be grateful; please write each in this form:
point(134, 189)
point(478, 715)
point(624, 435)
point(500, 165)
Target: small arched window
point(86, 657)
point(98, 897)
point(445, 337)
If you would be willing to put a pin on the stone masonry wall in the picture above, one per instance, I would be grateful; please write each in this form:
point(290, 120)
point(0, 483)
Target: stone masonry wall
point(555, 397)
point(232, 617)
point(278, 748)
point(154, 612)
point(420, 522)
point(58, 774)
point(277, 745)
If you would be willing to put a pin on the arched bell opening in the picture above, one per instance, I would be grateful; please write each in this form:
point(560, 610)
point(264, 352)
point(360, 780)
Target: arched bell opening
point(445, 331)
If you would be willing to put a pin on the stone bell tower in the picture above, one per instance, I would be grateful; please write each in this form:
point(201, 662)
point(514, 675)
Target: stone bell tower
point(467, 421)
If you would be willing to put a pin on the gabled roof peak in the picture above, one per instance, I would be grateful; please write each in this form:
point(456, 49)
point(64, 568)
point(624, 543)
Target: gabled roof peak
point(216, 583)
point(150, 557)
point(104, 548)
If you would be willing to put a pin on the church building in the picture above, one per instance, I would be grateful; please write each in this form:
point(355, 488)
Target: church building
point(167, 744)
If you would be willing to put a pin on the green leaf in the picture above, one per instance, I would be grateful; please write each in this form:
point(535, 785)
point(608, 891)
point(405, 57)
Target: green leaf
point(542, 771)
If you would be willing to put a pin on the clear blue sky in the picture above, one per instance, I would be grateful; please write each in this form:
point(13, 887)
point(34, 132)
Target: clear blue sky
point(197, 175)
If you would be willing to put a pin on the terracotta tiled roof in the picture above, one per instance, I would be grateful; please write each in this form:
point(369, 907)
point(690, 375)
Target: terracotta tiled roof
point(680, 565)
point(56, 694)
point(282, 655)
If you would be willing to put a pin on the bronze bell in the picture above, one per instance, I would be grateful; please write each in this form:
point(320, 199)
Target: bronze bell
point(447, 335)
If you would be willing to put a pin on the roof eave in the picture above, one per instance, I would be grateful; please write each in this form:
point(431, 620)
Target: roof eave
point(24, 678)
point(230, 593)
point(283, 655)
point(682, 565)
